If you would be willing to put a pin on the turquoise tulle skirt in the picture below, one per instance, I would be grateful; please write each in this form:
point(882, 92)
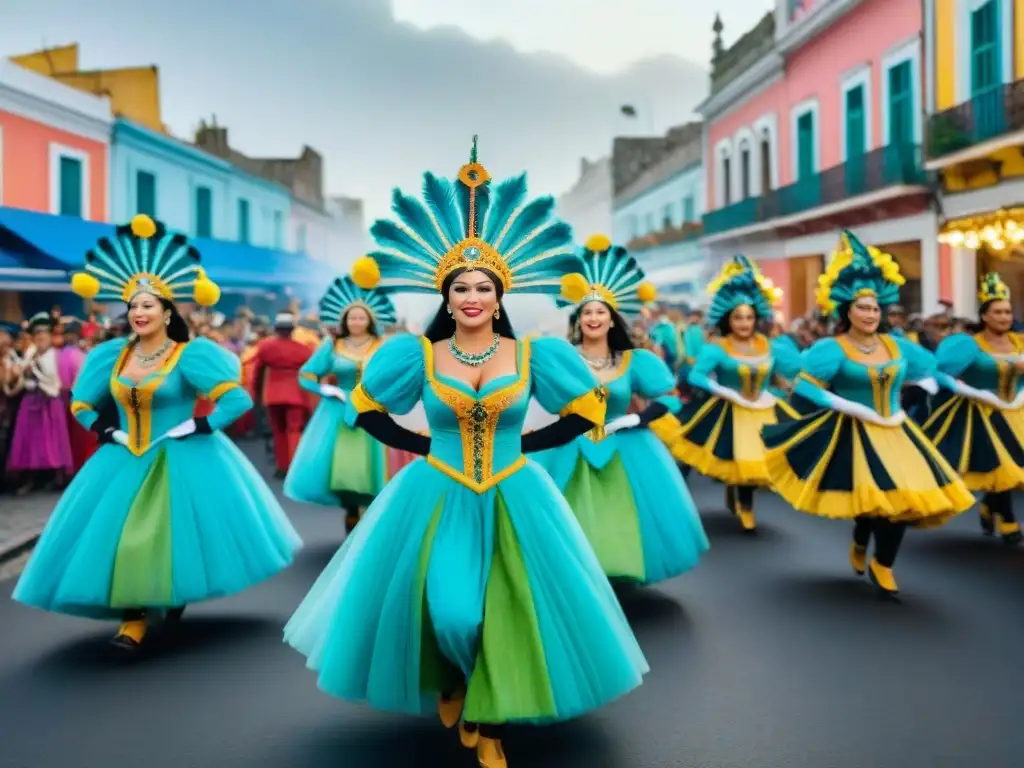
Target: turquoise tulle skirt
point(334, 462)
point(440, 587)
point(191, 520)
point(632, 504)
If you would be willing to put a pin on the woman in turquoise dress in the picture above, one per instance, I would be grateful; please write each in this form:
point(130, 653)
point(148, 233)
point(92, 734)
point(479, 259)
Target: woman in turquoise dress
point(468, 588)
point(859, 457)
point(334, 463)
point(620, 480)
point(168, 511)
point(721, 437)
point(977, 420)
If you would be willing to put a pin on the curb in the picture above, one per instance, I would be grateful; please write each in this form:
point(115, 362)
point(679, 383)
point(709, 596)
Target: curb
point(18, 545)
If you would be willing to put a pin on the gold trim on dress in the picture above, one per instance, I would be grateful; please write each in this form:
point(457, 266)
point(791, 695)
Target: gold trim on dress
point(137, 399)
point(221, 389)
point(78, 406)
point(363, 401)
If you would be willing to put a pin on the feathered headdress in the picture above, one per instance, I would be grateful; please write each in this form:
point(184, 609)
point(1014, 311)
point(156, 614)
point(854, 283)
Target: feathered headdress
point(609, 275)
point(993, 289)
point(143, 257)
point(741, 283)
point(858, 270)
point(345, 294)
point(465, 224)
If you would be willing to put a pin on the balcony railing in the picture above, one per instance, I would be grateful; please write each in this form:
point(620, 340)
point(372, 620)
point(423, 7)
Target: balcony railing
point(894, 165)
point(988, 115)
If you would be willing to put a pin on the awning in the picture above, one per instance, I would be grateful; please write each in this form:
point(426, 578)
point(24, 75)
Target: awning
point(59, 243)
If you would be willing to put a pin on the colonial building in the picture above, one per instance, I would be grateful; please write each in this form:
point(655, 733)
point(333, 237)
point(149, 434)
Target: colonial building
point(54, 155)
point(658, 187)
point(974, 93)
point(587, 206)
point(814, 124)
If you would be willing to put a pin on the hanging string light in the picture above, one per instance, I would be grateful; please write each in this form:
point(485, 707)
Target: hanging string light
point(999, 232)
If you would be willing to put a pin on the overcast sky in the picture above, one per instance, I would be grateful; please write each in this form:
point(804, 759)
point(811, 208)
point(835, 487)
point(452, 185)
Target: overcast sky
point(388, 88)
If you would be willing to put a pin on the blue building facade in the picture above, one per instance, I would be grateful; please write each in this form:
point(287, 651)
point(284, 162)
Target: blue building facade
point(658, 216)
point(193, 191)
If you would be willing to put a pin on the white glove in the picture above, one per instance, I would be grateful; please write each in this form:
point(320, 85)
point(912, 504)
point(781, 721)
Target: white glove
point(329, 390)
point(724, 392)
point(862, 412)
point(929, 385)
point(982, 396)
point(120, 437)
point(623, 422)
point(765, 401)
point(184, 429)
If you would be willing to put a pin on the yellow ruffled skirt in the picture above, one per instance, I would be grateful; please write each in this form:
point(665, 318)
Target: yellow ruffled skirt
point(985, 445)
point(832, 465)
point(722, 440)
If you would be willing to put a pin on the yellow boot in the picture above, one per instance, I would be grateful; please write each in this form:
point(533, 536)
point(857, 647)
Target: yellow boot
point(746, 516)
point(490, 754)
point(1009, 531)
point(131, 634)
point(882, 578)
point(858, 558)
point(469, 734)
point(450, 708)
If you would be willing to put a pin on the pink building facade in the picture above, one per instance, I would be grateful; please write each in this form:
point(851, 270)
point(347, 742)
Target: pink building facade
point(814, 124)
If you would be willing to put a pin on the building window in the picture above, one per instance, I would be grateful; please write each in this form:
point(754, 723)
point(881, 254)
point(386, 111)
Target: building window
point(855, 122)
point(766, 162)
point(744, 169)
point(145, 193)
point(689, 212)
point(666, 216)
point(278, 229)
point(300, 239)
point(901, 105)
point(985, 54)
point(243, 221)
point(71, 187)
point(805, 146)
point(204, 212)
point(726, 181)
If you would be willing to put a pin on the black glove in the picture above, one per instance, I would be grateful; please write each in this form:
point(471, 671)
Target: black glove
point(387, 430)
point(563, 431)
point(651, 412)
point(105, 435)
point(203, 426)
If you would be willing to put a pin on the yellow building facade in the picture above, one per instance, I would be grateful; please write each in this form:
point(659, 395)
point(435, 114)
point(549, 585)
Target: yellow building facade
point(134, 92)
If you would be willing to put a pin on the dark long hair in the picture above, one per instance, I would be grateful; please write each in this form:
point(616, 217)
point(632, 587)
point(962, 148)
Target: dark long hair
point(843, 318)
point(979, 326)
point(343, 332)
point(443, 325)
point(618, 334)
point(177, 329)
point(724, 324)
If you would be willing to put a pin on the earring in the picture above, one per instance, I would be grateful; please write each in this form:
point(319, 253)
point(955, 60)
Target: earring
point(167, 321)
point(611, 324)
point(497, 314)
point(449, 308)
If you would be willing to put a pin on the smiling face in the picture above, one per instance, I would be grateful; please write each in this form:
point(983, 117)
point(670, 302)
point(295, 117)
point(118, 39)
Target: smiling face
point(998, 316)
point(147, 315)
point(595, 320)
point(473, 299)
point(357, 320)
point(865, 314)
point(743, 321)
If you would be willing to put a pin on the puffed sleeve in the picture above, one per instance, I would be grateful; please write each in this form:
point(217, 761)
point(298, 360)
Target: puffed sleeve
point(216, 374)
point(652, 379)
point(704, 366)
point(664, 335)
point(818, 366)
point(92, 385)
point(921, 364)
point(393, 379)
point(956, 354)
point(693, 341)
point(787, 358)
point(562, 382)
point(318, 366)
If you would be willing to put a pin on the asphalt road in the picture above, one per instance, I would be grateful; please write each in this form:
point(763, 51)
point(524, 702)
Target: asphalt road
point(771, 654)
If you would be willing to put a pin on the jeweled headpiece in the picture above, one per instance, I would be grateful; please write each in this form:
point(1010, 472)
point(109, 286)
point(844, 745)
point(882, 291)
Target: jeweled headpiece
point(858, 270)
point(610, 275)
point(993, 289)
point(463, 224)
point(143, 257)
point(345, 294)
point(741, 283)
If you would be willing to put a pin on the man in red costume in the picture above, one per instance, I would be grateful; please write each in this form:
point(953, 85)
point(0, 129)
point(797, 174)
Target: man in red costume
point(276, 371)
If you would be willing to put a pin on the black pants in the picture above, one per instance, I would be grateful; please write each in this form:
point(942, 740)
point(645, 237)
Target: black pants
point(740, 494)
point(1001, 505)
point(888, 537)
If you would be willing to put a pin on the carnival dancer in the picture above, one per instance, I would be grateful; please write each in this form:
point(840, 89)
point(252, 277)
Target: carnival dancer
point(41, 444)
point(70, 358)
point(468, 577)
point(619, 479)
point(278, 362)
point(335, 463)
point(722, 434)
point(861, 458)
point(977, 420)
point(168, 511)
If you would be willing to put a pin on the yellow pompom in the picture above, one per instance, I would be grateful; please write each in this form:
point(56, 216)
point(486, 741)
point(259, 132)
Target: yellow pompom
point(85, 285)
point(598, 243)
point(646, 292)
point(205, 291)
point(366, 273)
point(143, 226)
point(574, 287)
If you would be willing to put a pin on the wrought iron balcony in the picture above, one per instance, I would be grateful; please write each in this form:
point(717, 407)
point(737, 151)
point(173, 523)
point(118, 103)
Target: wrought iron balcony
point(988, 115)
point(891, 166)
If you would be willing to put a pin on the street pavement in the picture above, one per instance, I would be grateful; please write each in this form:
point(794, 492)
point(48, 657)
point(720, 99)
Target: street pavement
point(21, 519)
point(771, 654)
